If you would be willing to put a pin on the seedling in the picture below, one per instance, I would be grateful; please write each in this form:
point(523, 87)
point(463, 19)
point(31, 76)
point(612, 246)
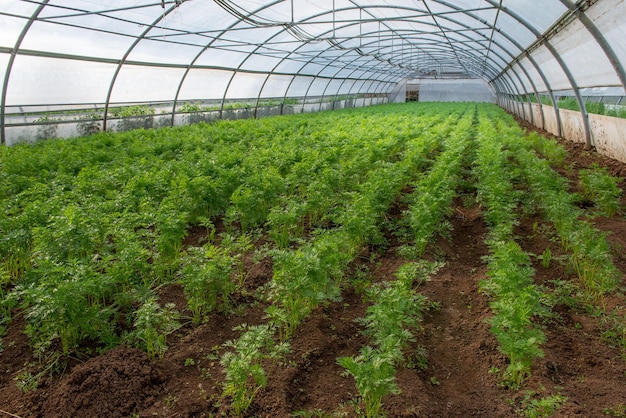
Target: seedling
point(243, 366)
point(542, 407)
point(602, 189)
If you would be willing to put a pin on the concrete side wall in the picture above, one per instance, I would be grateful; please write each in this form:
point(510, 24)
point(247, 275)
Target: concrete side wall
point(572, 125)
point(608, 133)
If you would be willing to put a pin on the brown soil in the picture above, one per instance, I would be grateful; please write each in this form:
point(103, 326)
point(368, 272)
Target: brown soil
point(462, 352)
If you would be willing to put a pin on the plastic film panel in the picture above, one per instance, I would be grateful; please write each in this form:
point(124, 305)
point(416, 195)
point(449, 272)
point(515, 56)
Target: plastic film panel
point(292, 66)
point(540, 14)
point(97, 22)
point(204, 84)
point(41, 81)
point(516, 30)
point(608, 16)
point(299, 86)
point(4, 61)
point(19, 8)
point(332, 88)
point(584, 57)
point(534, 74)
point(54, 38)
point(346, 86)
point(276, 86)
point(156, 51)
point(258, 62)
point(245, 86)
point(551, 69)
point(146, 84)
point(10, 29)
point(526, 86)
point(318, 87)
point(221, 57)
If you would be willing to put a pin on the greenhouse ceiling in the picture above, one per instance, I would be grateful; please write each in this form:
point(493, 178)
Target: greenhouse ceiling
point(70, 53)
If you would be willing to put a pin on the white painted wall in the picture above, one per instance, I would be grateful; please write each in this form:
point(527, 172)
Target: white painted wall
point(608, 133)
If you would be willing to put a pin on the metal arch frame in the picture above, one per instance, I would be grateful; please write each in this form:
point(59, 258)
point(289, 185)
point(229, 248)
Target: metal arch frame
point(536, 94)
point(298, 74)
point(523, 51)
point(568, 74)
point(600, 39)
point(546, 82)
point(464, 51)
point(323, 93)
point(143, 36)
point(351, 87)
point(454, 50)
point(444, 34)
point(503, 77)
point(517, 45)
point(123, 61)
point(490, 40)
point(202, 51)
point(531, 59)
point(16, 47)
point(437, 33)
point(310, 60)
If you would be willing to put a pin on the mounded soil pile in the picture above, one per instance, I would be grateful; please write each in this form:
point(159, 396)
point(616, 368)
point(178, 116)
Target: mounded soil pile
point(461, 352)
point(117, 383)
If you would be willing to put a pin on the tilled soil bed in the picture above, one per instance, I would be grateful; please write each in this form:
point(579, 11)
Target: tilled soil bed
point(462, 354)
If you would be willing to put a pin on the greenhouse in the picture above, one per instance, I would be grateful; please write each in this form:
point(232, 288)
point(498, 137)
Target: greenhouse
point(76, 67)
point(298, 208)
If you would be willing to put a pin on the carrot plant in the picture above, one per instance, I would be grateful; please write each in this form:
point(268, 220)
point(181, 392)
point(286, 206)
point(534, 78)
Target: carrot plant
point(307, 276)
point(374, 372)
point(105, 219)
point(152, 323)
point(516, 302)
point(243, 364)
point(548, 148)
point(601, 188)
point(206, 279)
point(65, 305)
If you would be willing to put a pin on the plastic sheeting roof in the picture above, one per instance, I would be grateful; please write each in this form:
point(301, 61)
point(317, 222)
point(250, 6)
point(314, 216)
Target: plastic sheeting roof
point(72, 52)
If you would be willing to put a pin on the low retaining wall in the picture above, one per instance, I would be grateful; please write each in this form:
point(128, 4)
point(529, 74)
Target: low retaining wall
point(608, 134)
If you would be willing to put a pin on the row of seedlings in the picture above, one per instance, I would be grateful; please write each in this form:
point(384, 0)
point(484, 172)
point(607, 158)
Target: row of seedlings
point(392, 320)
point(515, 300)
point(589, 248)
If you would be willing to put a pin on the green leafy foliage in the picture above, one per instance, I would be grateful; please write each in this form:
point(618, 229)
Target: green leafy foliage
point(601, 188)
point(391, 323)
point(516, 301)
point(432, 198)
point(126, 111)
point(548, 148)
point(243, 365)
point(374, 372)
point(542, 407)
point(66, 304)
point(206, 278)
point(590, 252)
point(152, 324)
point(120, 206)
